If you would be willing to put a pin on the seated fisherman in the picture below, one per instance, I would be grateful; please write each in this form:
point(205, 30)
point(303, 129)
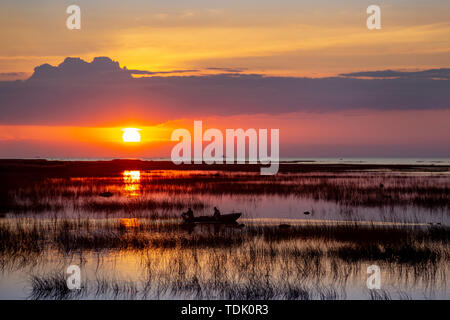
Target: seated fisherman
point(216, 213)
point(189, 215)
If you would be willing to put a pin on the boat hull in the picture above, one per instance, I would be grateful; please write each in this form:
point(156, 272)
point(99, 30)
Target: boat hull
point(224, 218)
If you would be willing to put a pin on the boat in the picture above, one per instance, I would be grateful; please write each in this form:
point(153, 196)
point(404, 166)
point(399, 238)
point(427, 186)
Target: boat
point(222, 219)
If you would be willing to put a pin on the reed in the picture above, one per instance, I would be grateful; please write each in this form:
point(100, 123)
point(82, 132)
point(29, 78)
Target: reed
point(366, 189)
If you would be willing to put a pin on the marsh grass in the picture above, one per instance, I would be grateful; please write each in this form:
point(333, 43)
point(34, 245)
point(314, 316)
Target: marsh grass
point(256, 262)
point(379, 294)
point(298, 262)
point(29, 235)
point(368, 189)
point(52, 286)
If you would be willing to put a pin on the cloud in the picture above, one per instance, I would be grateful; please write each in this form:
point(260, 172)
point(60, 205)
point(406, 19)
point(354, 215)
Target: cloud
point(144, 72)
point(76, 69)
point(77, 92)
point(229, 70)
point(12, 74)
point(7, 76)
point(432, 74)
point(101, 68)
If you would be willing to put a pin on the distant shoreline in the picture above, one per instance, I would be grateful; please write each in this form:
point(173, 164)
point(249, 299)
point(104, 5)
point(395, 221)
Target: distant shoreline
point(72, 168)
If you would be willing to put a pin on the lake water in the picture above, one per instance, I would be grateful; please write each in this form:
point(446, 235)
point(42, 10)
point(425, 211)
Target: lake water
point(405, 199)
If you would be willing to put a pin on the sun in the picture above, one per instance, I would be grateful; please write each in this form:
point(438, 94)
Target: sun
point(131, 135)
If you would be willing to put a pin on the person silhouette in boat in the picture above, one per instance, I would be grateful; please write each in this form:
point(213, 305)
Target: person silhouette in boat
point(216, 214)
point(189, 215)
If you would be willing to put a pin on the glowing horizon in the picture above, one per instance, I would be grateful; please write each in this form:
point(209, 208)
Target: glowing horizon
point(356, 133)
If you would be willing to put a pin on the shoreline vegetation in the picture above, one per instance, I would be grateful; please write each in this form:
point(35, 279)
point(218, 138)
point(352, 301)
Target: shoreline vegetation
point(104, 168)
point(55, 186)
point(125, 233)
point(271, 262)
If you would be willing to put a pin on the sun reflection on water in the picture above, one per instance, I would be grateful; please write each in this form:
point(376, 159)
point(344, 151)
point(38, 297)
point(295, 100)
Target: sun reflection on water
point(129, 222)
point(132, 185)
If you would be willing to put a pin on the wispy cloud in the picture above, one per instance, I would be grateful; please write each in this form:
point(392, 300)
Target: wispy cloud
point(438, 74)
point(230, 70)
point(5, 76)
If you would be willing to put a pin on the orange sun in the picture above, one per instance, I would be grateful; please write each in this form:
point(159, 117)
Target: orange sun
point(131, 135)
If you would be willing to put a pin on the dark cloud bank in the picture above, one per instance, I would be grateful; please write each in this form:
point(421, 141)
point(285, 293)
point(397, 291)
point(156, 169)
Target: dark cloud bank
point(78, 93)
point(432, 74)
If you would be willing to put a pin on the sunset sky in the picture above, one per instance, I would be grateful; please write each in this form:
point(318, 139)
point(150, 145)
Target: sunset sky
point(301, 66)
